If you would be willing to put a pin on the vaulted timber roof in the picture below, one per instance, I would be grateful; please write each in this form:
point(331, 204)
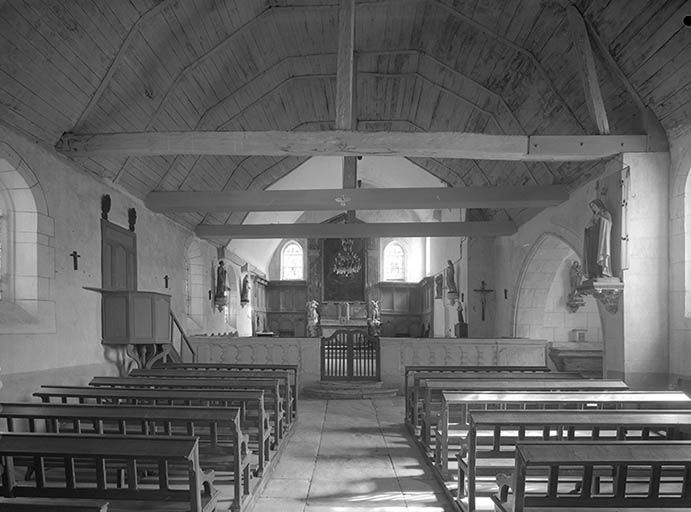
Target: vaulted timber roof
point(504, 67)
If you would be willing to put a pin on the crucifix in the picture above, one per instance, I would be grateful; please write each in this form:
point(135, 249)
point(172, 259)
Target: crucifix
point(483, 299)
point(75, 263)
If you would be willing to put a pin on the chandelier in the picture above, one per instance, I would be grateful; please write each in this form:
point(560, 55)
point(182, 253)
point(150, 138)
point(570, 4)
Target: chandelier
point(346, 262)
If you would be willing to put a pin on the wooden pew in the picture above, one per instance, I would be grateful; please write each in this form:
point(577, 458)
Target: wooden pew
point(222, 445)
point(255, 421)
point(193, 490)
point(413, 377)
point(431, 390)
point(489, 448)
point(51, 505)
point(454, 419)
point(292, 370)
point(283, 377)
point(553, 457)
point(272, 396)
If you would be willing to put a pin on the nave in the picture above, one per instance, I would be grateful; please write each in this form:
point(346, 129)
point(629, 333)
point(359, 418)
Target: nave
point(351, 456)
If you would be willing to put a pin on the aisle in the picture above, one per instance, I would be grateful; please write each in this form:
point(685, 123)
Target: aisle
point(351, 456)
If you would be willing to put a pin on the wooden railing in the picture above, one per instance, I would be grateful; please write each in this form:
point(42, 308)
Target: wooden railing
point(350, 354)
point(181, 342)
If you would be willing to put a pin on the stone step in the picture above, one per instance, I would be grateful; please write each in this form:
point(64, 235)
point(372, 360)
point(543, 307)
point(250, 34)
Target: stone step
point(347, 390)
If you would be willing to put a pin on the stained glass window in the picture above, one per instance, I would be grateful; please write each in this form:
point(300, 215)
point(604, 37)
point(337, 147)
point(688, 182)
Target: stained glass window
point(394, 262)
point(292, 261)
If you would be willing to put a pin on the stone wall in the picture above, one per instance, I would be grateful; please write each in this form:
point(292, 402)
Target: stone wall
point(58, 331)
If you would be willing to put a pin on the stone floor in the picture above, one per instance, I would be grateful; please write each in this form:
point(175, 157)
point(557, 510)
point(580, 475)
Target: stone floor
point(351, 456)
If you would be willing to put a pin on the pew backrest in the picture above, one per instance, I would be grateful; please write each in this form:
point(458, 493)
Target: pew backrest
point(107, 454)
point(622, 455)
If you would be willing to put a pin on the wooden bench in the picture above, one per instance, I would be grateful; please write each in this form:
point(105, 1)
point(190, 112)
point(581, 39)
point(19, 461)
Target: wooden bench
point(431, 390)
point(489, 448)
point(222, 445)
point(272, 396)
point(292, 370)
point(191, 490)
point(552, 457)
point(283, 377)
point(51, 505)
point(255, 421)
point(413, 372)
point(454, 417)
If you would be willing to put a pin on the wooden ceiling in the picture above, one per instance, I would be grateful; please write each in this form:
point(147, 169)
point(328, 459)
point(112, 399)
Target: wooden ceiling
point(502, 67)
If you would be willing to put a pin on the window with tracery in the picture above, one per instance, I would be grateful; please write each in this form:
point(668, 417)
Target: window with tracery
point(394, 262)
point(292, 265)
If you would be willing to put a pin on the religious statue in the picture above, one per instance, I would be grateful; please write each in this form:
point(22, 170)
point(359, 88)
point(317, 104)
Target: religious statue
point(575, 276)
point(220, 299)
point(451, 278)
point(596, 246)
point(374, 320)
point(312, 307)
point(245, 290)
point(438, 286)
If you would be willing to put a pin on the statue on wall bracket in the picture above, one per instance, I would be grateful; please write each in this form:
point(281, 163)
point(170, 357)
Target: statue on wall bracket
point(597, 260)
point(220, 298)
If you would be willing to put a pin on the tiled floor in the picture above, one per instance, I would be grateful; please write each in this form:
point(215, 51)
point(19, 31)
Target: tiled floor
point(351, 456)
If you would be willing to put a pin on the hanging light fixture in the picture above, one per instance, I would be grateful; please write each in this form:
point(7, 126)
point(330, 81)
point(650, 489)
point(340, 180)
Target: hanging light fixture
point(346, 262)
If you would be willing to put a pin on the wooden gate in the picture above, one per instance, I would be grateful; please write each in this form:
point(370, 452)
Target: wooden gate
point(350, 355)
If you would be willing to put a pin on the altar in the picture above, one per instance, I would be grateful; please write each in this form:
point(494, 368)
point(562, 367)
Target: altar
point(342, 315)
point(396, 353)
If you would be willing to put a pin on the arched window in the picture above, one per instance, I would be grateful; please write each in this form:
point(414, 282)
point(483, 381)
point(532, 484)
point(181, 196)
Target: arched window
point(292, 262)
point(394, 262)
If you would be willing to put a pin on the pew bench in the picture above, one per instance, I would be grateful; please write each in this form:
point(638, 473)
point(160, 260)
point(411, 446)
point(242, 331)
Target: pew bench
point(222, 445)
point(255, 421)
point(283, 377)
point(413, 372)
point(431, 390)
point(272, 396)
point(51, 505)
point(456, 407)
point(179, 485)
point(489, 448)
point(551, 459)
point(292, 370)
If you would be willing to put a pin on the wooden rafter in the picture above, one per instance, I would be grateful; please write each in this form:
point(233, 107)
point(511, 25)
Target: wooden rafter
point(357, 199)
point(586, 69)
point(353, 143)
point(357, 230)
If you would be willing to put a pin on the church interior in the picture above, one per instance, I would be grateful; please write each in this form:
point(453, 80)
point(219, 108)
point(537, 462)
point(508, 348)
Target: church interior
point(347, 217)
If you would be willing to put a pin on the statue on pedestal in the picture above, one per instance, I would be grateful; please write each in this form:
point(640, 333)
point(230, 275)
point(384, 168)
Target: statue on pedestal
point(596, 243)
point(220, 299)
point(450, 272)
point(374, 320)
point(313, 326)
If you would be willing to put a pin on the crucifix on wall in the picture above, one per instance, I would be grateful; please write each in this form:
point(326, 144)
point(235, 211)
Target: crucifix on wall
point(483, 291)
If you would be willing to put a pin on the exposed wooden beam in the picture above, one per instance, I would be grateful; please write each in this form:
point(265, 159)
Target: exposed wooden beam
point(586, 69)
point(359, 230)
point(351, 143)
point(357, 199)
point(345, 67)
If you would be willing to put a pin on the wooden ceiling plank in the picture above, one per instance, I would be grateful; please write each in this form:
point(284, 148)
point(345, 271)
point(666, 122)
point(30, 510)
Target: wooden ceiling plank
point(358, 199)
point(353, 143)
point(586, 70)
point(356, 230)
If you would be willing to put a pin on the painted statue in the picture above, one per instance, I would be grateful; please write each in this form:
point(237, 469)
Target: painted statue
point(451, 278)
point(313, 328)
point(596, 247)
point(374, 319)
point(245, 290)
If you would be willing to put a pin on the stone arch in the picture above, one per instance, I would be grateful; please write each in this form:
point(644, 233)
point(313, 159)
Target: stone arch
point(198, 279)
point(28, 304)
point(540, 310)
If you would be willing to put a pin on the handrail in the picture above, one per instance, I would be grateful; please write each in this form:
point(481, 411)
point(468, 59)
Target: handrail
point(183, 337)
